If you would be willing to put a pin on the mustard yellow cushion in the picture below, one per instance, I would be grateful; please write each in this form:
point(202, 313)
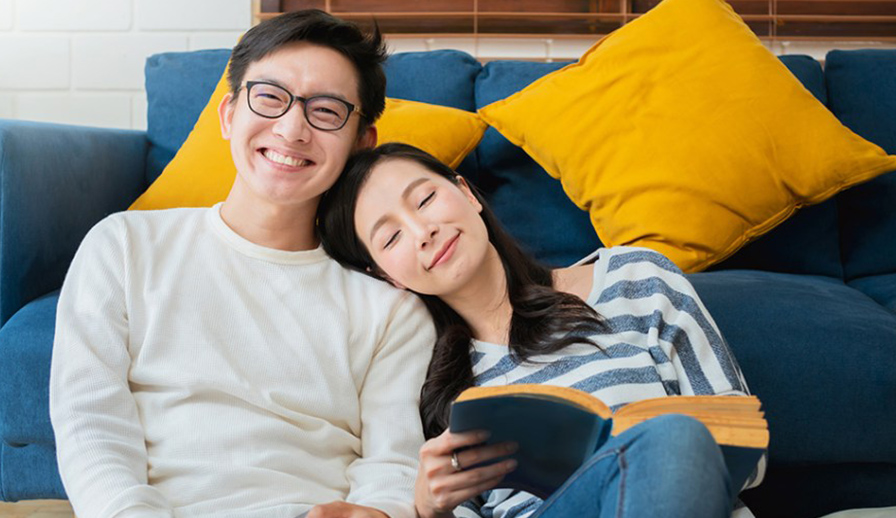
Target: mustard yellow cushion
point(202, 171)
point(681, 132)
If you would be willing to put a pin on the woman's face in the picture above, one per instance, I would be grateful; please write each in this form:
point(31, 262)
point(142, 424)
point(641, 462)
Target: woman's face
point(422, 230)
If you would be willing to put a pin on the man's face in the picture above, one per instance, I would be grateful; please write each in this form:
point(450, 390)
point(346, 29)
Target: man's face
point(286, 161)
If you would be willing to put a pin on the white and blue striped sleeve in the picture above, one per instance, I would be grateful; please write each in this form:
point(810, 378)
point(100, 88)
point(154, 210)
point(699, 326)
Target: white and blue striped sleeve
point(675, 319)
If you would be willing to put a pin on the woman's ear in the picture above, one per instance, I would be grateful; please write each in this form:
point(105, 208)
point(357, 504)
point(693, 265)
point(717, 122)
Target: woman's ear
point(468, 192)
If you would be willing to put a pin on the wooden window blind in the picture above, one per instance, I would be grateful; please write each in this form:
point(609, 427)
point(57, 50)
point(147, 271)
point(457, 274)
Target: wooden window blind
point(791, 20)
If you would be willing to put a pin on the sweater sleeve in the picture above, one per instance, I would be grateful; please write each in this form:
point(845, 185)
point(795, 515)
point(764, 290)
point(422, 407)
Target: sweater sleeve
point(686, 333)
point(99, 438)
point(383, 477)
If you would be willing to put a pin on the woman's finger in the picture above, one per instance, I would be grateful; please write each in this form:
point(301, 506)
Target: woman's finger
point(446, 443)
point(474, 456)
point(453, 490)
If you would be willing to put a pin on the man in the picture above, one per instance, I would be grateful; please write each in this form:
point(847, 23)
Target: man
point(215, 362)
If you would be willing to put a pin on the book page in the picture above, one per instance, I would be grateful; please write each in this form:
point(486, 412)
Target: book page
point(564, 395)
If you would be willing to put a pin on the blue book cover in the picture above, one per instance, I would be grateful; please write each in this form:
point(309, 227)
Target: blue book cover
point(559, 428)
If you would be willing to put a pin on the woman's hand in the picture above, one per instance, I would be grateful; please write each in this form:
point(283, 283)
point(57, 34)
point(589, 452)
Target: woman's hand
point(441, 487)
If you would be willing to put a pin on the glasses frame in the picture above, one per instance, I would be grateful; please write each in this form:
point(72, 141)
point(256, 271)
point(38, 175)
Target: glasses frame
point(304, 100)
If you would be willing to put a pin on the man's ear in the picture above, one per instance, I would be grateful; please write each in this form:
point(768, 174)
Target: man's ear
point(468, 192)
point(225, 115)
point(367, 138)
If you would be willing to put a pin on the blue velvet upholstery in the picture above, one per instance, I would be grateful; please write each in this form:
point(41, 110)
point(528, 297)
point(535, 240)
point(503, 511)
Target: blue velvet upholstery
point(29, 473)
point(26, 344)
point(881, 288)
point(178, 86)
point(442, 77)
point(815, 351)
point(868, 221)
point(55, 182)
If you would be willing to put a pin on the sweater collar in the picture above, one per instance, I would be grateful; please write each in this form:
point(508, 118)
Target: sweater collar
point(250, 249)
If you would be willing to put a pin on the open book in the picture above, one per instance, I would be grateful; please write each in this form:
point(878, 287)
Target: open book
point(558, 428)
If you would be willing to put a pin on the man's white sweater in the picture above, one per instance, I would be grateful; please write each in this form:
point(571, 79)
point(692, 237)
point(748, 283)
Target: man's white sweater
point(195, 373)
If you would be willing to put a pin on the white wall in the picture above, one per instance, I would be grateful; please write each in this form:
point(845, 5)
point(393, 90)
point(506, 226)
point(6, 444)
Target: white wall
point(81, 61)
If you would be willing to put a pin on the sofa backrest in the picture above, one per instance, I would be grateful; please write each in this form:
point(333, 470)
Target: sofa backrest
point(531, 204)
point(862, 90)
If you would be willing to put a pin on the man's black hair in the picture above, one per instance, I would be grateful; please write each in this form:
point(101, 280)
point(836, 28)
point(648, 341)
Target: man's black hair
point(366, 51)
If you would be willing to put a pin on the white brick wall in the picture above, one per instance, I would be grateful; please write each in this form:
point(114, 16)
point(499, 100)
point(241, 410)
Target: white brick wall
point(94, 109)
point(67, 15)
point(5, 15)
point(34, 62)
point(191, 15)
point(116, 62)
point(81, 61)
point(5, 106)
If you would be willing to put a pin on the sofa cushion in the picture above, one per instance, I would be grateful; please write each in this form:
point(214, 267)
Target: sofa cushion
point(442, 77)
point(554, 229)
point(881, 288)
point(681, 132)
point(29, 473)
point(26, 344)
point(558, 232)
point(861, 86)
point(178, 85)
point(819, 354)
point(808, 241)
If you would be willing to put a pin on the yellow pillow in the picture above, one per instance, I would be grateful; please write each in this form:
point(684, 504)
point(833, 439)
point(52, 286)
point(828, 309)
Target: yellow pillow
point(202, 171)
point(681, 132)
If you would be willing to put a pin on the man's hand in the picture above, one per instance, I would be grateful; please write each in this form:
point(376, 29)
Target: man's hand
point(344, 510)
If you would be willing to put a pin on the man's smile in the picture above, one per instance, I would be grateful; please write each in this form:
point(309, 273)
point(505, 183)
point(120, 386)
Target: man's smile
point(279, 158)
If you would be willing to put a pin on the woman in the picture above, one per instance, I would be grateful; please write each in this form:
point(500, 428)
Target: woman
point(625, 328)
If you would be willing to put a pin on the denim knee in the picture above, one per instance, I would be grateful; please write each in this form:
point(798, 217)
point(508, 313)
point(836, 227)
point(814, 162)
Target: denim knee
point(685, 432)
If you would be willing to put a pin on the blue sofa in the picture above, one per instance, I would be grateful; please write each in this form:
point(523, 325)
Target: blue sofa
point(809, 309)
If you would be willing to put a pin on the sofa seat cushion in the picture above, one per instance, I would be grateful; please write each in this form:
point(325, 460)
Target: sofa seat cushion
point(819, 354)
point(26, 344)
point(29, 473)
point(881, 288)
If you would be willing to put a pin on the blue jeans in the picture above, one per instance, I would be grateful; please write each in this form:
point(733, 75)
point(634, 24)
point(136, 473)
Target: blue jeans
point(668, 466)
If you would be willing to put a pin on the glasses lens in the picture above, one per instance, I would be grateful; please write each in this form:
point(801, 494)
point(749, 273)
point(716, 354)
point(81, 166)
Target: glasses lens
point(268, 100)
point(326, 113)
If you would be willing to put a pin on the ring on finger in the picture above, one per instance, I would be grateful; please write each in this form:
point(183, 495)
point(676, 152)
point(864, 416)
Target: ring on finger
point(455, 463)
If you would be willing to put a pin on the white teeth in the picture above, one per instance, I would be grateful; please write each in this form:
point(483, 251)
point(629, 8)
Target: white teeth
point(285, 160)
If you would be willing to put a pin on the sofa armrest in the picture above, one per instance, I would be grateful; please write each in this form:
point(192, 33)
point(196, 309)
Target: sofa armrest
point(56, 182)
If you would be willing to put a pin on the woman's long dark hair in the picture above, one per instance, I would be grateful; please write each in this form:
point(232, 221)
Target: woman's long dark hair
point(544, 320)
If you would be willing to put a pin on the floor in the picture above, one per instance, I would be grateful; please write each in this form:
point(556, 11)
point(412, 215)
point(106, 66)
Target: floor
point(37, 509)
point(61, 509)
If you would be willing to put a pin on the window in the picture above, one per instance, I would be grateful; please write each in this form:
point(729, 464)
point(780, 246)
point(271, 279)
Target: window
point(792, 20)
